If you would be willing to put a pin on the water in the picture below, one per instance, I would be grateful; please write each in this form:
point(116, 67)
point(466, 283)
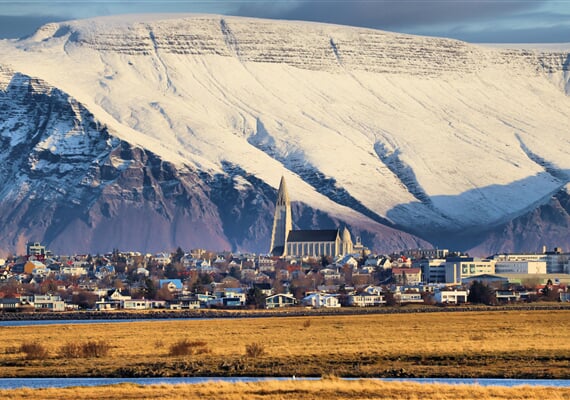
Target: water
point(86, 321)
point(37, 383)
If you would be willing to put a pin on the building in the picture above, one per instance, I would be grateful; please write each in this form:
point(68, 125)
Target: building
point(280, 300)
point(321, 300)
point(36, 250)
point(425, 253)
point(433, 270)
point(520, 267)
point(459, 268)
point(304, 243)
point(450, 296)
point(282, 221)
point(407, 276)
point(556, 260)
point(317, 243)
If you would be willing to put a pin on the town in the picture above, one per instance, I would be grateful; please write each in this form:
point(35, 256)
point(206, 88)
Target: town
point(42, 281)
point(306, 268)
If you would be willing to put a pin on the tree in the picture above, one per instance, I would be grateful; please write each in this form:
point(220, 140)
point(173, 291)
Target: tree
point(178, 255)
point(149, 289)
point(255, 298)
point(479, 293)
point(390, 299)
point(85, 299)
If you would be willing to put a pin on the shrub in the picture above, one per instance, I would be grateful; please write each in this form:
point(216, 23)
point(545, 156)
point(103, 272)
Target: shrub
point(307, 323)
point(34, 351)
point(185, 347)
point(254, 350)
point(70, 350)
point(95, 349)
point(90, 349)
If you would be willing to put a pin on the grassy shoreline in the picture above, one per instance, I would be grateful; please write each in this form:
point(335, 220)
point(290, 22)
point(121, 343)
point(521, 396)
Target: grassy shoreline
point(330, 389)
point(40, 315)
point(506, 344)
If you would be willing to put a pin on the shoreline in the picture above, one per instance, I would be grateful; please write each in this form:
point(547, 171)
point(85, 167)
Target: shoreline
point(244, 313)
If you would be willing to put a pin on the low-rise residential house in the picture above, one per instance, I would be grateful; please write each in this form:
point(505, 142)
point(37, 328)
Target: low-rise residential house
point(101, 271)
point(173, 285)
point(46, 302)
point(373, 290)
point(73, 270)
point(507, 296)
point(113, 300)
point(228, 297)
point(331, 273)
point(265, 264)
point(347, 259)
point(450, 296)
point(10, 304)
point(248, 274)
point(31, 265)
point(265, 288)
point(407, 276)
point(41, 272)
point(184, 303)
point(365, 299)
point(280, 300)
point(136, 304)
point(408, 297)
point(321, 300)
point(162, 259)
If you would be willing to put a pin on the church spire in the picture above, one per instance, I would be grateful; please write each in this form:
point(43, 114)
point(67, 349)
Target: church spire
point(282, 221)
point(282, 195)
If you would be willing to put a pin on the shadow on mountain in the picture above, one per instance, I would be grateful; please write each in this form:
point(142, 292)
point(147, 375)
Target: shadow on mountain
point(544, 222)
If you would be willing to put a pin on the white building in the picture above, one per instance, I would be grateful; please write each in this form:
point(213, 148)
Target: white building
point(464, 267)
point(318, 300)
point(520, 267)
point(433, 270)
point(450, 296)
point(366, 300)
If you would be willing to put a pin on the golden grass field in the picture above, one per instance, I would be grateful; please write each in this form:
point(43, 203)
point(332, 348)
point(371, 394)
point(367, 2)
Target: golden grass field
point(505, 344)
point(297, 390)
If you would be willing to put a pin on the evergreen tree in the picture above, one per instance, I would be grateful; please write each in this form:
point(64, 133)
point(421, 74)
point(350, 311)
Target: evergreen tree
point(479, 293)
point(149, 289)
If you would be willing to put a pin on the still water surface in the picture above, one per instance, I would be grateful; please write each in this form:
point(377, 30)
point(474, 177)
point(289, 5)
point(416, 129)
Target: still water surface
point(15, 383)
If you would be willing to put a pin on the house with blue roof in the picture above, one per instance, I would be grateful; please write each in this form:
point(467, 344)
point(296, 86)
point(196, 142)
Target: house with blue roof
point(173, 285)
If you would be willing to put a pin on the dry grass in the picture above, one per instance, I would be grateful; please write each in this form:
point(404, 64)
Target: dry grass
point(477, 344)
point(254, 350)
point(186, 347)
point(298, 390)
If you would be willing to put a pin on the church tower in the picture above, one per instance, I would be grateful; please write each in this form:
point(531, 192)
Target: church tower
point(282, 221)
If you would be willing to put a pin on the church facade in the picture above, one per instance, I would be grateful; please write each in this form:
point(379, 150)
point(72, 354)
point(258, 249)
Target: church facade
point(304, 243)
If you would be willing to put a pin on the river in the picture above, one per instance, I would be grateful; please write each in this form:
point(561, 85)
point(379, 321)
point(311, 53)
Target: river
point(37, 383)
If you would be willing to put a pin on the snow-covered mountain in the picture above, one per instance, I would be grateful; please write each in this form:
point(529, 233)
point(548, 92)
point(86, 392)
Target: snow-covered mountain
point(149, 132)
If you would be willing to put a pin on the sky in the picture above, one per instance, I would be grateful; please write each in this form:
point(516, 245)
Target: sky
point(476, 21)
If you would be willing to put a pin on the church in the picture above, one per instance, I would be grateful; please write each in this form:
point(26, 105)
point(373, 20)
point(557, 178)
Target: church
point(304, 243)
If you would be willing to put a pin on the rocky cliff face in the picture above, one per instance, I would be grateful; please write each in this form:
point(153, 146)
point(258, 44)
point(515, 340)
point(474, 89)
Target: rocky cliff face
point(149, 132)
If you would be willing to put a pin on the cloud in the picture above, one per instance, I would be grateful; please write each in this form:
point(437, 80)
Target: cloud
point(388, 14)
point(13, 27)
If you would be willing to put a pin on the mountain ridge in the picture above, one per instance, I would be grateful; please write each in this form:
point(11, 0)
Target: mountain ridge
point(376, 130)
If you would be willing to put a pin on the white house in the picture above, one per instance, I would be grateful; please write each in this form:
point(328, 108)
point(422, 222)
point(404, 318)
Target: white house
point(366, 300)
point(450, 296)
point(318, 300)
point(280, 300)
